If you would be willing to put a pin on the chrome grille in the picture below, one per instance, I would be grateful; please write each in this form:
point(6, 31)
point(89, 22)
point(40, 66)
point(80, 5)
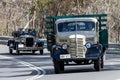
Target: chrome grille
point(77, 48)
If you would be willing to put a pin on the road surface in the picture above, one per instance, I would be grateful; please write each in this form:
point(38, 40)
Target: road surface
point(29, 66)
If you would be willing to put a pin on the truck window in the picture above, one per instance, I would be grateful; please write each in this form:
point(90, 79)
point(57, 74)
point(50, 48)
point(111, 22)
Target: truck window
point(85, 26)
point(66, 26)
point(80, 25)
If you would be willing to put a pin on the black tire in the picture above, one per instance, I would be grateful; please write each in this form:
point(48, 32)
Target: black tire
point(17, 52)
point(41, 52)
point(97, 65)
point(10, 51)
point(51, 54)
point(61, 65)
point(102, 62)
point(33, 52)
point(58, 66)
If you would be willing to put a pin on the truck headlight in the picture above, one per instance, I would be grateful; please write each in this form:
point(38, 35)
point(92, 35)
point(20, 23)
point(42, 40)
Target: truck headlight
point(88, 45)
point(64, 46)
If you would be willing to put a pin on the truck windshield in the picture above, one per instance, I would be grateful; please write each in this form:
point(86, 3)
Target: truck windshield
point(76, 26)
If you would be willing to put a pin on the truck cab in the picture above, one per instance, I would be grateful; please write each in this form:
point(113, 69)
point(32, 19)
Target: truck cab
point(75, 33)
point(77, 42)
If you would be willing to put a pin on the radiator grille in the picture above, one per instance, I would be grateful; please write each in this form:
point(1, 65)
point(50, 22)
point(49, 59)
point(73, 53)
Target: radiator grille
point(77, 49)
point(29, 42)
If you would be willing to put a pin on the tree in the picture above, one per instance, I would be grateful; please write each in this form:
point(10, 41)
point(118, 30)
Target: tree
point(16, 13)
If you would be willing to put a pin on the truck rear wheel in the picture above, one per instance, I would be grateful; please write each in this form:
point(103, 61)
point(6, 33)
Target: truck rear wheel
point(97, 65)
point(102, 62)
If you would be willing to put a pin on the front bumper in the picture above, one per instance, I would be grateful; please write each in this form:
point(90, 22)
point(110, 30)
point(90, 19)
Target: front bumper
point(31, 48)
point(78, 59)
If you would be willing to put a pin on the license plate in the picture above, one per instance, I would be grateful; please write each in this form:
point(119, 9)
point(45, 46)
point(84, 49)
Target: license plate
point(64, 56)
point(20, 45)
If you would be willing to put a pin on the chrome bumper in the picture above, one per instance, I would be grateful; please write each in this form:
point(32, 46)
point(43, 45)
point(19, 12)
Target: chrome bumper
point(31, 48)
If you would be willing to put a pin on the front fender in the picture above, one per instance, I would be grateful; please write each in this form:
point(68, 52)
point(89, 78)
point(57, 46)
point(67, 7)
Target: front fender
point(11, 43)
point(95, 51)
point(56, 51)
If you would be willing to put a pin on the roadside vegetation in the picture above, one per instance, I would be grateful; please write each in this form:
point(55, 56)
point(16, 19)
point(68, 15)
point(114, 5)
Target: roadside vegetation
point(15, 14)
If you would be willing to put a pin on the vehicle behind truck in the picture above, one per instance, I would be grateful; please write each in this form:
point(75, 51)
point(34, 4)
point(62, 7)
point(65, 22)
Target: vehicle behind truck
point(77, 40)
point(25, 41)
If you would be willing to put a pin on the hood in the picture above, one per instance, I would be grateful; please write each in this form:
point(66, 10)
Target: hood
point(76, 36)
point(86, 34)
point(26, 36)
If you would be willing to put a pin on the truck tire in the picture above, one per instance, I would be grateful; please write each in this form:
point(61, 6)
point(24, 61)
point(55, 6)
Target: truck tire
point(61, 65)
point(10, 51)
point(41, 52)
point(33, 52)
point(102, 62)
point(97, 65)
point(103, 59)
point(58, 66)
point(17, 52)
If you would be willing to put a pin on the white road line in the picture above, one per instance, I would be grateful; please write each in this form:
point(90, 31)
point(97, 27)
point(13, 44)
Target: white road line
point(40, 71)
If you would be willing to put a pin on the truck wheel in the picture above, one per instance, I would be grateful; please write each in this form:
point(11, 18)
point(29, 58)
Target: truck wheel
point(33, 52)
point(102, 62)
point(97, 65)
point(56, 67)
point(10, 51)
point(61, 65)
point(41, 52)
point(17, 52)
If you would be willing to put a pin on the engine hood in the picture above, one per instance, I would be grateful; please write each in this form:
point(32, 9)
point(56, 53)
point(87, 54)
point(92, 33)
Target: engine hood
point(26, 36)
point(78, 34)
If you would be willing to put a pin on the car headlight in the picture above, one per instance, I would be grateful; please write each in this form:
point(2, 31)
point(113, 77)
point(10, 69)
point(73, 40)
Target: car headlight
point(88, 45)
point(22, 40)
point(35, 43)
point(64, 46)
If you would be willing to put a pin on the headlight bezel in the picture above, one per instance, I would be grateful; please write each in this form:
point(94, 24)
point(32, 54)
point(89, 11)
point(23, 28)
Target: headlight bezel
point(88, 45)
point(22, 40)
point(64, 46)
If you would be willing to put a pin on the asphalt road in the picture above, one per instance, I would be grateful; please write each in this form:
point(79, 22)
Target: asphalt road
point(29, 66)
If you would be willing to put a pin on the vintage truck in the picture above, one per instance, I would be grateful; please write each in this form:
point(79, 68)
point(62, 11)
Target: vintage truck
point(77, 40)
point(25, 41)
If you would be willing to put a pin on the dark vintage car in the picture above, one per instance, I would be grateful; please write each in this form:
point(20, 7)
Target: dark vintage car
point(25, 41)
